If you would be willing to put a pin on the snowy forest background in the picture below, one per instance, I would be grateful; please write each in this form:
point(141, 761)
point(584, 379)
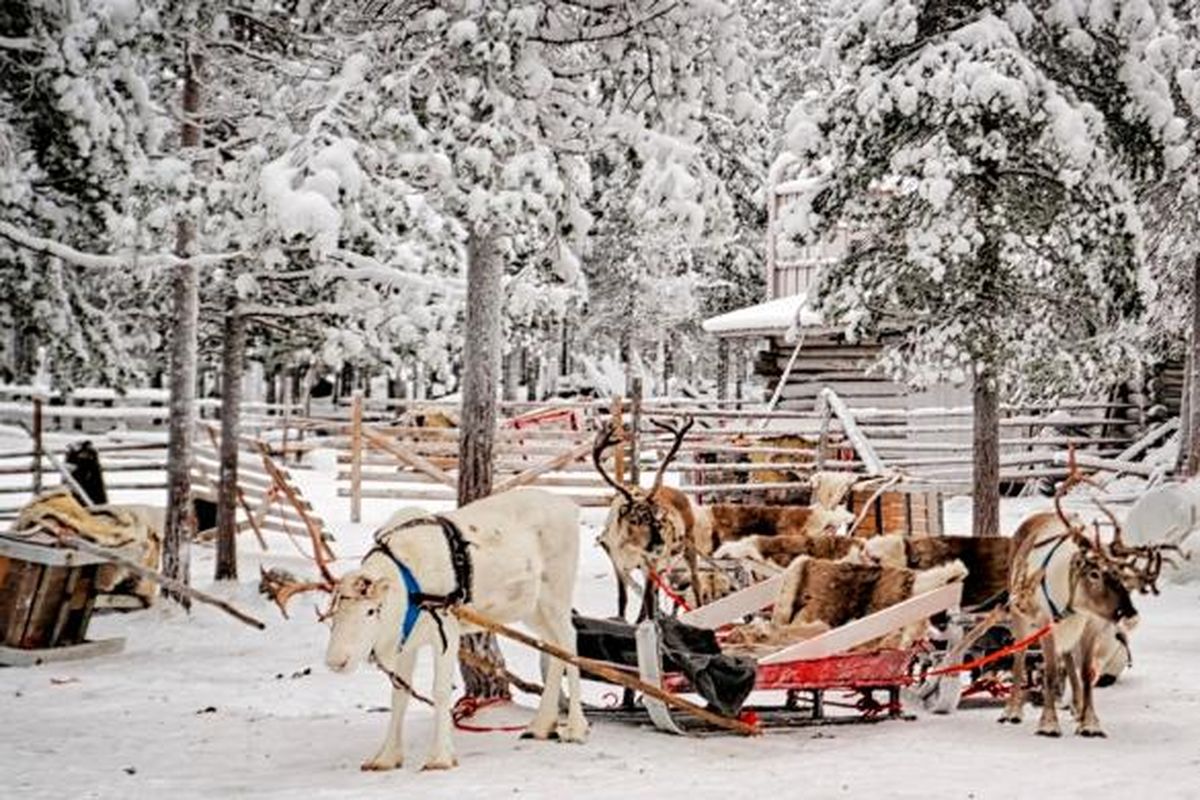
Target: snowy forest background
point(328, 168)
point(349, 150)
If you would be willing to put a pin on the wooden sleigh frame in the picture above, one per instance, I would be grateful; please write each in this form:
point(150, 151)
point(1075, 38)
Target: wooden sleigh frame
point(811, 667)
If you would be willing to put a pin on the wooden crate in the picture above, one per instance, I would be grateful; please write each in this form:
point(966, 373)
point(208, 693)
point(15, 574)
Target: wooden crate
point(46, 598)
point(899, 510)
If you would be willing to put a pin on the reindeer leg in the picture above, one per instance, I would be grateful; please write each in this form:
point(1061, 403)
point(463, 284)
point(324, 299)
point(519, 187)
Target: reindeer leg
point(1048, 725)
point(391, 752)
point(545, 723)
point(1072, 671)
point(561, 632)
point(1089, 723)
point(442, 755)
point(1016, 698)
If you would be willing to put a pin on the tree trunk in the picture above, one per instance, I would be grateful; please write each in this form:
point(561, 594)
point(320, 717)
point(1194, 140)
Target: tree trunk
point(181, 519)
point(477, 418)
point(233, 354)
point(1192, 443)
point(986, 489)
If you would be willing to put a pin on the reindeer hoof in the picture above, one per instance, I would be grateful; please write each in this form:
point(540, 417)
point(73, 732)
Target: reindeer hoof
point(1091, 733)
point(540, 736)
point(1053, 733)
point(434, 764)
point(574, 735)
point(1015, 719)
point(378, 764)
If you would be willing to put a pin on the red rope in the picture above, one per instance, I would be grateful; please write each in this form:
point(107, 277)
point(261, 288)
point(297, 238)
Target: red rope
point(668, 591)
point(467, 706)
point(1015, 647)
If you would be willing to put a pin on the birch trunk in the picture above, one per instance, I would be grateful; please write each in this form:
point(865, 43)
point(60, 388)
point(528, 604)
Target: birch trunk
point(181, 520)
point(233, 353)
point(477, 420)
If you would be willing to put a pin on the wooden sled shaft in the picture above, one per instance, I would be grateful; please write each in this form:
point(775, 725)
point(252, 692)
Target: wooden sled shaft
point(606, 671)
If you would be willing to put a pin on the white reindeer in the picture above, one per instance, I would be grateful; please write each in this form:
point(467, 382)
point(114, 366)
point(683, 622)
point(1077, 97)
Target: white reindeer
point(523, 551)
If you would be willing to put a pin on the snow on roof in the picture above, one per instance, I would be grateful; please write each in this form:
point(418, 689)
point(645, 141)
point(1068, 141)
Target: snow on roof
point(770, 318)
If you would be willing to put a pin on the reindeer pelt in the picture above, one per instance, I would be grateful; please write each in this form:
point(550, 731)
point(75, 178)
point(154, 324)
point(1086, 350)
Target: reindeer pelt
point(732, 522)
point(986, 558)
point(135, 530)
point(818, 590)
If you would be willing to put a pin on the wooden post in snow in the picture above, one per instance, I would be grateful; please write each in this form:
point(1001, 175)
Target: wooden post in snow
point(37, 443)
point(618, 451)
point(635, 425)
point(356, 457)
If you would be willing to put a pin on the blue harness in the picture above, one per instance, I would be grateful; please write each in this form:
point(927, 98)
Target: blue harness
point(413, 611)
point(419, 601)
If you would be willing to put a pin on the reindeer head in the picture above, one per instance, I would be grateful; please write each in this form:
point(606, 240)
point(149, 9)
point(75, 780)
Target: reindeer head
point(361, 602)
point(1096, 586)
point(641, 525)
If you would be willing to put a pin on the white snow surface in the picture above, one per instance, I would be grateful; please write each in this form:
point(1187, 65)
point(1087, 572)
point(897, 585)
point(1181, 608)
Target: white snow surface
point(201, 706)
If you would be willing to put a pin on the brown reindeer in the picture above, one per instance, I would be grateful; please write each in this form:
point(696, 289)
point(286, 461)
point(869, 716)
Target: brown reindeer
point(1081, 589)
point(646, 529)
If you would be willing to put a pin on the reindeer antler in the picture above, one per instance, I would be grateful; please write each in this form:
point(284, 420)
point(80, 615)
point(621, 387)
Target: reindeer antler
point(1138, 565)
point(1073, 478)
point(678, 433)
point(606, 437)
point(281, 586)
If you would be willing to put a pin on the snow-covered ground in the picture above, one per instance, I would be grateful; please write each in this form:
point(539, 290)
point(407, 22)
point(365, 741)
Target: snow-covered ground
point(201, 706)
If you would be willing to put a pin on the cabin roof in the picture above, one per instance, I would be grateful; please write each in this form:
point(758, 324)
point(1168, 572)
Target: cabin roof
point(772, 318)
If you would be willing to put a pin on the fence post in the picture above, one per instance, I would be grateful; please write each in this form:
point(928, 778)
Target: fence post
point(619, 450)
point(356, 456)
point(37, 444)
point(823, 442)
point(635, 425)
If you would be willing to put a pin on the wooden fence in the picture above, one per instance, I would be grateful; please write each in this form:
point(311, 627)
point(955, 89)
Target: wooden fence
point(128, 429)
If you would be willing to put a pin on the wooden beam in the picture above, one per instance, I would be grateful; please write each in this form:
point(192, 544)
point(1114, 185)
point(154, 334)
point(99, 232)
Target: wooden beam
point(850, 426)
point(530, 475)
point(410, 457)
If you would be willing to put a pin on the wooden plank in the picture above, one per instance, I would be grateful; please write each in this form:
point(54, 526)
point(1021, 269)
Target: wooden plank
point(44, 610)
point(732, 607)
point(530, 475)
point(356, 453)
point(18, 597)
point(872, 626)
point(409, 457)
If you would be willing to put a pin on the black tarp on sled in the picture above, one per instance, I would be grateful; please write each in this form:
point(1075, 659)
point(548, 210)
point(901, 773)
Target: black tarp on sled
point(725, 681)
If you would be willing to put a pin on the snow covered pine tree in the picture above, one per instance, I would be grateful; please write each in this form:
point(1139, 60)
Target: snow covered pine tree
point(983, 159)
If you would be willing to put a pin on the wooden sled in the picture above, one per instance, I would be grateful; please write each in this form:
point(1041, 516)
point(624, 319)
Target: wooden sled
point(805, 671)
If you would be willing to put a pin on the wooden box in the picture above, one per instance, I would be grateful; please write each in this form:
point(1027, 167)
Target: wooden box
point(900, 510)
point(46, 598)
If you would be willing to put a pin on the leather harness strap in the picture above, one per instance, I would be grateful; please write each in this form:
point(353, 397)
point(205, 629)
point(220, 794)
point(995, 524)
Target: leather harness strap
point(418, 601)
point(1055, 614)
